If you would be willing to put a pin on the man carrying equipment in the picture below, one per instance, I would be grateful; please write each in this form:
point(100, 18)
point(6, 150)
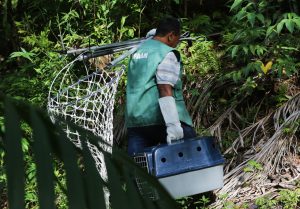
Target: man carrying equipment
point(155, 109)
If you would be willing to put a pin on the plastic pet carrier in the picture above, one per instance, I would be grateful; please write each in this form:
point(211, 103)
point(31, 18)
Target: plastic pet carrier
point(190, 167)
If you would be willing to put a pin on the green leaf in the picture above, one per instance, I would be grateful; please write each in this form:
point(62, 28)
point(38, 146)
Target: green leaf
point(251, 18)
point(110, 24)
point(270, 30)
point(261, 18)
point(235, 4)
point(289, 48)
point(260, 50)
point(75, 192)
point(246, 70)
point(131, 33)
point(252, 49)
point(297, 22)
point(248, 5)
point(236, 76)
point(290, 25)
point(240, 15)
point(116, 185)
point(123, 19)
point(234, 51)
point(103, 7)
point(14, 157)
point(43, 159)
point(248, 169)
point(255, 165)
point(280, 26)
point(95, 193)
point(246, 50)
point(24, 54)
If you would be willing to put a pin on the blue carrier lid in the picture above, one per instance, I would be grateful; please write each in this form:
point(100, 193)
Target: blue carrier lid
point(190, 155)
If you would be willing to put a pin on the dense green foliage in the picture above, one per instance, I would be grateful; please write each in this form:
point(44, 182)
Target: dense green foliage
point(248, 60)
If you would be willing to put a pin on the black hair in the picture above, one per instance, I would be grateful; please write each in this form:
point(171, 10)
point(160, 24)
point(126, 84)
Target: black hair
point(167, 25)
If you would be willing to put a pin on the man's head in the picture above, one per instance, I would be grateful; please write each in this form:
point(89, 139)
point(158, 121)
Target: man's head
point(168, 31)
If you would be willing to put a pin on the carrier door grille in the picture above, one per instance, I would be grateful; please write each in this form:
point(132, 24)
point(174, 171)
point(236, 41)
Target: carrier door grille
point(142, 185)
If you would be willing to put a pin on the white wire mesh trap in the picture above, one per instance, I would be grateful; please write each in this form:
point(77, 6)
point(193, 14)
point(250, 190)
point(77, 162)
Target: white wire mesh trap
point(88, 101)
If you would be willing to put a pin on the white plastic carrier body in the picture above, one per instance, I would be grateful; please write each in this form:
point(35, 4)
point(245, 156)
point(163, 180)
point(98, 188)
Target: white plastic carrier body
point(191, 167)
point(194, 182)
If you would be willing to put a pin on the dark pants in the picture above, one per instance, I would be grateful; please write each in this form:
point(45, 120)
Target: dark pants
point(141, 137)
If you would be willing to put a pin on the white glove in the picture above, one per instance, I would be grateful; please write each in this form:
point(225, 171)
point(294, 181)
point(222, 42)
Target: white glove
point(151, 32)
point(169, 111)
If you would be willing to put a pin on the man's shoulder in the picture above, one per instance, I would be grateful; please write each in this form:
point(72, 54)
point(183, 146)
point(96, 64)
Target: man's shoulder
point(177, 54)
point(173, 55)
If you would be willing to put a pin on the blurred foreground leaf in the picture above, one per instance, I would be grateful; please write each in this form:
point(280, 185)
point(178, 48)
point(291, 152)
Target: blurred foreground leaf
point(85, 187)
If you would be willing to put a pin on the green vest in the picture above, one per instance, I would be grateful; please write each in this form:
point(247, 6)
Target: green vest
point(142, 108)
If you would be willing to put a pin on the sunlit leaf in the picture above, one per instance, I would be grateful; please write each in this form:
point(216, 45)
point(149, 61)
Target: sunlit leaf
point(24, 54)
point(235, 4)
point(123, 19)
point(234, 51)
point(267, 67)
point(280, 26)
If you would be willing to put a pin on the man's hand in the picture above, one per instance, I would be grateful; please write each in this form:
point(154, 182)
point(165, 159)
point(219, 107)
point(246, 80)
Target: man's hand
point(175, 132)
point(169, 111)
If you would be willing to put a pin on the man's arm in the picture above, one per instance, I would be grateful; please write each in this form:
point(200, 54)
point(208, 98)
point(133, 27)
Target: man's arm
point(167, 76)
point(169, 111)
point(165, 90)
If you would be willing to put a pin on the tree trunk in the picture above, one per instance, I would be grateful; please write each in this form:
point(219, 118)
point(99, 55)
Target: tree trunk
point(10, 35)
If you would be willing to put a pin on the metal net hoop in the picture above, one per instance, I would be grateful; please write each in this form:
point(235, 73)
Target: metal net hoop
point(87, 101)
